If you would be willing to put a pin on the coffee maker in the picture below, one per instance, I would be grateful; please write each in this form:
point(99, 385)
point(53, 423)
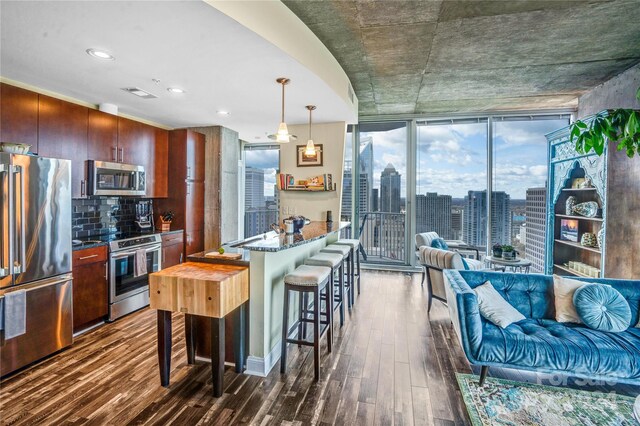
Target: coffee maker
point(144, 216)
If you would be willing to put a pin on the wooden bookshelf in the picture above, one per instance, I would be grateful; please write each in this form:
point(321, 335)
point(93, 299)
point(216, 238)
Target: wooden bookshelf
point(571, 271)
point(566, 216)
point(307, 190)
point(579, 246)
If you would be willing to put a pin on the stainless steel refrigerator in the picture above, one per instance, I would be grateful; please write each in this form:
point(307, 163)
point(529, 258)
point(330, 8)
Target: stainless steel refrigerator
point(35, 255)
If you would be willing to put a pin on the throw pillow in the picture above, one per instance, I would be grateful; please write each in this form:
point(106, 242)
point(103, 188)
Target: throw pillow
point(563, 290)
point(494, 308)
point(464, 263)
point(602, 307)
point(439, 243)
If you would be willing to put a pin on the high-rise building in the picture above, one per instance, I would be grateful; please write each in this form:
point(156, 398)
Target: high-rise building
point(375, 200)
point(536, 225)
point(433, 213)
point(253, 188)
point(363, 192)
point(390, 190)
point(457, 223)
point(475, 218)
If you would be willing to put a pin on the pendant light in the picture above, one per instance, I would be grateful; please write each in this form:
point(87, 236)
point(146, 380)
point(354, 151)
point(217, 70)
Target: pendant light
point(282, 135)
point(310, 149)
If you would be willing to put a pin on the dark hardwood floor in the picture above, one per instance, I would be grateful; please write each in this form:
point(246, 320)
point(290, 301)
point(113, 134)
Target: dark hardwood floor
point(391, 364)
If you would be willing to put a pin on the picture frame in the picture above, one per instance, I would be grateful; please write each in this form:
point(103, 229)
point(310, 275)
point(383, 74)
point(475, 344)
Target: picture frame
point(569, 230)
point(303, 160)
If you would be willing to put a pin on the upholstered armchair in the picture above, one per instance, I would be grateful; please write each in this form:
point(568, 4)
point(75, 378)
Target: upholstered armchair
point(434, 261)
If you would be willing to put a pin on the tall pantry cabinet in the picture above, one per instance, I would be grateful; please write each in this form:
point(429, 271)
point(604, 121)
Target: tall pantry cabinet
point(186, 187)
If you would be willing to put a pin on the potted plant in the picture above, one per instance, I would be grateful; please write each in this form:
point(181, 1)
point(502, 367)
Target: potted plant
point(165, 221)
point(508, 252)
point(620, 125)
point(497, 250)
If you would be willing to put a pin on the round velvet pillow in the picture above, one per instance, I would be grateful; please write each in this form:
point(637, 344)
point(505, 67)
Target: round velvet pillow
point(602, 307)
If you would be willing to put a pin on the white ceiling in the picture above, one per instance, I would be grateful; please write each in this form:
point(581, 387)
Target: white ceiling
point(189, 44)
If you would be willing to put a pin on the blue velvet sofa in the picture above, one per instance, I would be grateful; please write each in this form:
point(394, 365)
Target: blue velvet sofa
point(539, 343)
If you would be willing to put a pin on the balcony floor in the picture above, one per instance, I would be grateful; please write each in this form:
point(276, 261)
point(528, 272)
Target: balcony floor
point(390, 364)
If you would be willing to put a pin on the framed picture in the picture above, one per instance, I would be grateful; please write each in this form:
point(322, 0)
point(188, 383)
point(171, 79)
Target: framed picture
point(569, 230)
point(304, 160)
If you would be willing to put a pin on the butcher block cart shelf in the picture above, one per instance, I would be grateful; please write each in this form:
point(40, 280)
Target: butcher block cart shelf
point(207, 290)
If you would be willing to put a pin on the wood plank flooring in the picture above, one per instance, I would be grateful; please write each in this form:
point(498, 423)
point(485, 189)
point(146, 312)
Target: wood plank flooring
point(391, 364)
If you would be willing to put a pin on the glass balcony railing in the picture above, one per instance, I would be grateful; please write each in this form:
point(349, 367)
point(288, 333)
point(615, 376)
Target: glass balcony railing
point(382, 237)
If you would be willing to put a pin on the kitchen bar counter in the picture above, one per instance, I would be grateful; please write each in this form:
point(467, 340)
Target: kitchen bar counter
point(271, 241)
point(269, 260)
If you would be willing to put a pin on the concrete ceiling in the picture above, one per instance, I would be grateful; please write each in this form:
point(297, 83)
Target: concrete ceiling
point(221, 64)
point(436, 56)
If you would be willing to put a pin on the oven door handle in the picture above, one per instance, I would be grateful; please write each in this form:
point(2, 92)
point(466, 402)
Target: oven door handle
point(156, 247)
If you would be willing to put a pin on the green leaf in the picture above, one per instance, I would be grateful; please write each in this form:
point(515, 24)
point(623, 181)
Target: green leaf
point(580, 124)
point(575, 132)
point(638, 94)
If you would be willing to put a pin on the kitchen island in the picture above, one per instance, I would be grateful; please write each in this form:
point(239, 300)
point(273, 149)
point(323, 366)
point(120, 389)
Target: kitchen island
point(270, 257)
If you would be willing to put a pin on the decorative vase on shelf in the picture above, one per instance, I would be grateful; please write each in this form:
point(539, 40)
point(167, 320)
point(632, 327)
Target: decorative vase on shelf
point(588, 239)
point(600, 237)
point(570, 204)
point(588, 209)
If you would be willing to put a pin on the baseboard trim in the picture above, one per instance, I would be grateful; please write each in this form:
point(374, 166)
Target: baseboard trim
point(257, 366)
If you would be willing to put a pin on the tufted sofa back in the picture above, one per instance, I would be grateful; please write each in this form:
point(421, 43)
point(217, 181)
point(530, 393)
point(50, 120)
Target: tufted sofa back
point(532, 294)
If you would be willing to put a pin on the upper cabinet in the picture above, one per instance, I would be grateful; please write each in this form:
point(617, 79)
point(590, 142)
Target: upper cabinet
point(62, 133)
point(60, 129)
point(147, 146)
point(102, 144)
point(18, 115)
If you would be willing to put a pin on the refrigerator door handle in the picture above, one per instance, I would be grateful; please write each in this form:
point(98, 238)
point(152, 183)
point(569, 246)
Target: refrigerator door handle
point(18, 265)
point(6, 221)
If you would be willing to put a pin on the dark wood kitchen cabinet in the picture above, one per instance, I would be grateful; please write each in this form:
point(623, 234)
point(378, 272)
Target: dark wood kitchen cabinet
point(186, 187)
point(147, 146)
point(62, 133)
point(18, 115)
point(102, 138)
point(172, 249)
point(90, 287)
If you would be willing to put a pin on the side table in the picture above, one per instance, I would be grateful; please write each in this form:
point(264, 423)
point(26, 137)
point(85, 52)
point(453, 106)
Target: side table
point(517, 265)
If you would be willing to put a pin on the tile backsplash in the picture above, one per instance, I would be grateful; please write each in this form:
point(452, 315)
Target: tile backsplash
point(103, 215)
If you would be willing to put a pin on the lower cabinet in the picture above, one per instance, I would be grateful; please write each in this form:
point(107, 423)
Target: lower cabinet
point(90, 287)
point(172, 249)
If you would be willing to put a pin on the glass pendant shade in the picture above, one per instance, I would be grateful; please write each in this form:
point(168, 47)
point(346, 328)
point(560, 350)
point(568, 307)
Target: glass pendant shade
point(282, 135)
point(310, 149)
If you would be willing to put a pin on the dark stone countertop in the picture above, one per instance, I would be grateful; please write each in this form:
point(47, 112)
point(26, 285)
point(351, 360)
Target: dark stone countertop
point(87, 243)
point(277, 242)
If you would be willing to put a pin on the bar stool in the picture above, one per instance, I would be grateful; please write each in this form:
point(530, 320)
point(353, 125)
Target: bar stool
point(308, 279)
point(344, 251)
point(355, 255)
point(335, 262)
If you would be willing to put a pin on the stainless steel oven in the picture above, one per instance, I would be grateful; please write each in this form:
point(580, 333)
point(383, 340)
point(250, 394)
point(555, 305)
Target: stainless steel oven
point(128, 279)
point(105, 178)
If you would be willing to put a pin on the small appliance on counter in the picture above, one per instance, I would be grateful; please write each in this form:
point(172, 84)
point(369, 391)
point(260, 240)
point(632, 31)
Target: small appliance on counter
point(293, 224)
point(144, 216)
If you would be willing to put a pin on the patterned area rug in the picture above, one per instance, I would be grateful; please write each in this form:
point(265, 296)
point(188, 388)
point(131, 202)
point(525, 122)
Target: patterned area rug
point(505, 402)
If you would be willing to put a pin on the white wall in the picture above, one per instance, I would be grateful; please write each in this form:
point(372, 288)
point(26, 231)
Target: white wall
point(314, 205)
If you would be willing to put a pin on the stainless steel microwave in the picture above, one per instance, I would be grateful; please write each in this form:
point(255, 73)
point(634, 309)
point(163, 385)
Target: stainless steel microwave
point(105, 178)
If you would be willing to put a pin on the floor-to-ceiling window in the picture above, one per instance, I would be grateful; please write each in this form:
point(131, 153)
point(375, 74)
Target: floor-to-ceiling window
point(520, 184)
point(260, 193)
point(381, 191)
point(451, 179)
point(479, 180)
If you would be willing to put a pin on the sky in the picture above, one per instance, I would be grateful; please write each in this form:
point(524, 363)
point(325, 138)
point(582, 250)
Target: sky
point(452, 159)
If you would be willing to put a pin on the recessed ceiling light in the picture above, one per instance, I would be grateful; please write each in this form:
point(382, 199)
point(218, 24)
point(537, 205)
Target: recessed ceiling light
point(223, 112)
point(100, 54)
point(175, 90)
